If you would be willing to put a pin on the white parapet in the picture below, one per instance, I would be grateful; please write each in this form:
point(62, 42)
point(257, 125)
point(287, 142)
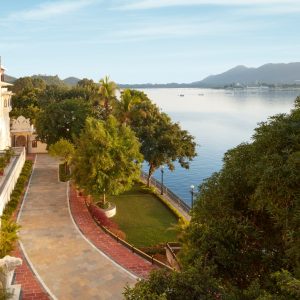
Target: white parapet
point(10, 177)
point(8, 264)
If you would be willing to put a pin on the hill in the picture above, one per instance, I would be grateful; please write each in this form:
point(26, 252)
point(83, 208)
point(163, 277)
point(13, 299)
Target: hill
point(72, 81)
point(9, 79)
point(268, 74)
point(50, 80)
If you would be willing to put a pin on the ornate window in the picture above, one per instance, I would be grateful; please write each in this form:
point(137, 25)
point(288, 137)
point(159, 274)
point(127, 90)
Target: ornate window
point(34, 144)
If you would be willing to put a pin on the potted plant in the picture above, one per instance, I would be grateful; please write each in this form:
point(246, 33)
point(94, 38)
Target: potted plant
point(9, 152)
point(2, 165)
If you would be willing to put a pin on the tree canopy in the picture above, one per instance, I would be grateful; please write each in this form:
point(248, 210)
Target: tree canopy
point(62, 120)
point(107, 158)
point(63, 149)
point(245, 228)
point(163, 142)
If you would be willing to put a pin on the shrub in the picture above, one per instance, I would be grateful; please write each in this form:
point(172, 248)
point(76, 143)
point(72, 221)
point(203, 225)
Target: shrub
point(64, 175)
point(100, 216)
point(17, 192)
point(8, 236)
point(2, 164)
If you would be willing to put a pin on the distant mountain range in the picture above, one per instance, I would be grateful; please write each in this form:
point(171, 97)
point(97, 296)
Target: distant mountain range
point(269, 74)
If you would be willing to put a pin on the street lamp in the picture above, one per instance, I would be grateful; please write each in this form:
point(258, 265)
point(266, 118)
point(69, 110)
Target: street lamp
point(162, 179)
point(192, 194)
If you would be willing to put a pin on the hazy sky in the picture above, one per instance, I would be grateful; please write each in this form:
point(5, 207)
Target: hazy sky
point(148, 40)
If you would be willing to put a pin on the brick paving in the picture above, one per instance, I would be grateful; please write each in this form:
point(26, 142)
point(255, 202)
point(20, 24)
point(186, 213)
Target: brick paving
point(103, 241)
point(31, 287)
point(69, 266)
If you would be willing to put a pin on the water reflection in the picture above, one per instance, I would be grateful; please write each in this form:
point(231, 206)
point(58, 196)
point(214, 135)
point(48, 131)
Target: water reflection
point(219, 120)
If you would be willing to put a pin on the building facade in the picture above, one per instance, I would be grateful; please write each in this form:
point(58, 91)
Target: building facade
point(5, 108)
point(23, 135)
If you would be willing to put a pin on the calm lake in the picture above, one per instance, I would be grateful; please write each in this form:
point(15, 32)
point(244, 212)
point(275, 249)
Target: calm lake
point(219, 120)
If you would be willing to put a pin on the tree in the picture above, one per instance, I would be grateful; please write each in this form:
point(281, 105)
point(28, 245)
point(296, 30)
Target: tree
point(163, 142)
point(62, 120)
point(107, 94)
point(53, 94)
point(25, 103)
point(107, 159)
point(125, 107)
point(27, 84)
point(64, 150)
point(245, 226)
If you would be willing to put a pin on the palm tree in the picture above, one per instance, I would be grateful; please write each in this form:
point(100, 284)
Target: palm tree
point(107, 92)
point(125, 106)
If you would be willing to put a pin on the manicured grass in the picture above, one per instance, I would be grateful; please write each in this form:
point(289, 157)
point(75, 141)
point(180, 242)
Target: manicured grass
point(144, 219)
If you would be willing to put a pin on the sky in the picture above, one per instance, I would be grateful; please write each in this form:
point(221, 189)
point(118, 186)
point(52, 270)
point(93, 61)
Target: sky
point(141, 41)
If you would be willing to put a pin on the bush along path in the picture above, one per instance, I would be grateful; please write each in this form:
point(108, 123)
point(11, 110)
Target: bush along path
point(31, 287)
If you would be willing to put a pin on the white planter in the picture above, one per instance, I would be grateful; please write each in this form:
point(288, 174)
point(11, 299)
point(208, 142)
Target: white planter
point(111, 210)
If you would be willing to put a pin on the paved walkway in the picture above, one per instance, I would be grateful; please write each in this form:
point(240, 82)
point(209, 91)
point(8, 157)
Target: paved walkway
point(69, 266)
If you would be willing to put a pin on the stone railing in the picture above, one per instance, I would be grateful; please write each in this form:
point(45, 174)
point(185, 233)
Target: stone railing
point(7, 269)
point(166, 191)
point(11, 175)
point(171, 250)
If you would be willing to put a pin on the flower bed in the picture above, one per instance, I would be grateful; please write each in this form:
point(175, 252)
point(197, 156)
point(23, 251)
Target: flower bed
point(99, 215)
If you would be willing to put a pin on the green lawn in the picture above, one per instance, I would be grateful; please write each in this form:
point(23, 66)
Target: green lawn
point(144, 219)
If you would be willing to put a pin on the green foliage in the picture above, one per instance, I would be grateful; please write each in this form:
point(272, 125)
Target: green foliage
point(62, 149)
point(125, 107)
point(8, 154)
point(8, 236)
point(26, 101)
point(9, 229)
point(16, 194)
point(107, 158)
point(106, 99)
point(245, 226)
point(163, 142)
point(49, 80)
point(186, 285)
point(27, 84)
point(64, 173)
point(62, 120)
point(2, 164)
point(4, 294)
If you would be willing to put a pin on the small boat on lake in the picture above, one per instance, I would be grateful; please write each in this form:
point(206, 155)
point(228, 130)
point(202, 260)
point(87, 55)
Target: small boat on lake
point(181, 95)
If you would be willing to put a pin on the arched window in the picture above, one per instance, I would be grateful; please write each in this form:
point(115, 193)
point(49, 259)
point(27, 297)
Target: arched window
point(5, 103)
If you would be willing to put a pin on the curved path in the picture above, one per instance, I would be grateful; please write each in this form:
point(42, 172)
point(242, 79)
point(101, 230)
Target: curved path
point(69, 266)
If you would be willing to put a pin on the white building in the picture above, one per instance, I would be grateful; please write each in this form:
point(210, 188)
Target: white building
point(5, 108)
point(23, 135)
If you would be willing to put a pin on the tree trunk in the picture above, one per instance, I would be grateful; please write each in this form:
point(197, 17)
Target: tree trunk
point(151, 170)
point(66, 168)
point(104, 199)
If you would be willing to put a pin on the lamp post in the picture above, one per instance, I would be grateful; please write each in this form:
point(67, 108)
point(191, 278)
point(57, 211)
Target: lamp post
point(162, 179)
point(192, 194)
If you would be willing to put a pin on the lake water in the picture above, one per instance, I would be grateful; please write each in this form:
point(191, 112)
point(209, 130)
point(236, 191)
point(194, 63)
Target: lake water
point(219, 120)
